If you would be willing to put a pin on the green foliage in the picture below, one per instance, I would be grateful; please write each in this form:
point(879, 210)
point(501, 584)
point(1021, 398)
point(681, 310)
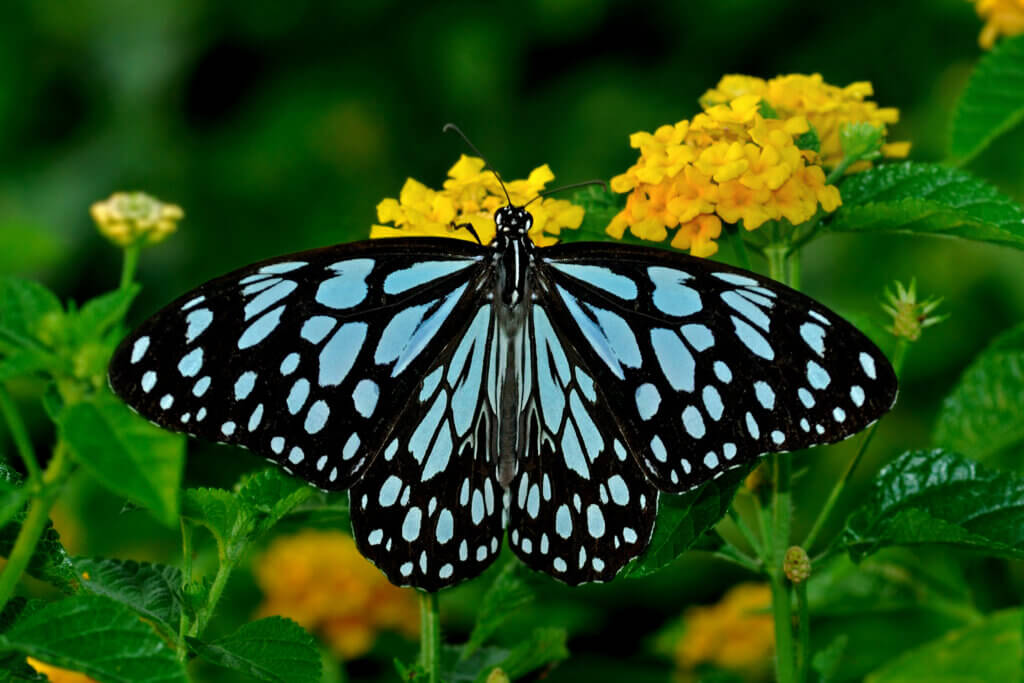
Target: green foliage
point(97, 636)
point(928, 199)
point(939, 497)
point(982, 415)
point(129, 455)
point(993, 101)
point(683, 519)
point(26, 307)
point(508, 593)
point(990, 650)
point(152, 590)
point(861, 141)
point(272, 649)
point(544, 646)
point(600, 205)
point(808, 141)
point(49, 561)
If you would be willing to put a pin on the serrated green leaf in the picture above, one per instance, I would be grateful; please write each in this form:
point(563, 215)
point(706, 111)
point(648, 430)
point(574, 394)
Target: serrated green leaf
point(682, 519)
point(100, 314)
point(49, 562)
point(13, 666)
point(987, 651)
point(23, 306)
point(600, 206)
point(928, 199)
point(939, 497)
point(860, 140)
point(992, 102)
point(272, 494)
point(545, 646)
point(127, 454)
point(220, 511)
point(98, 637)
point(509, 592)
point(152, 590)
point(272, 649)
point(983, 414)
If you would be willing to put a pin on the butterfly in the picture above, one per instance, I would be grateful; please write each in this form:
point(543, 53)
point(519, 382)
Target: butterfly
point(462, 391)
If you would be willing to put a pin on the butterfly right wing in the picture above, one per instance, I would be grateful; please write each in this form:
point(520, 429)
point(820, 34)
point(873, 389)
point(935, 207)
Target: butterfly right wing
point(309, 359)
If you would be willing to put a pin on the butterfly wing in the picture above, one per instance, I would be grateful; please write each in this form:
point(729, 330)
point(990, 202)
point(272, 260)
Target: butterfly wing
point(429, 512)
point(704, 367)
point(310, 359)
point(579, 508)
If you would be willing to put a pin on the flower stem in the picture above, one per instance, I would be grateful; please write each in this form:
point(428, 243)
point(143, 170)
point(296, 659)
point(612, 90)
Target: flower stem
point(804, 619)
point(186, 582)
point(20, 435)
point(131, 260)
point(782, 613)
point(430, 636)
point(35, 522)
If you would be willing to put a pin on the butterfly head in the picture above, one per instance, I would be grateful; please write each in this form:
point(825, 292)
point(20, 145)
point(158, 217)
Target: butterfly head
point(513, 220)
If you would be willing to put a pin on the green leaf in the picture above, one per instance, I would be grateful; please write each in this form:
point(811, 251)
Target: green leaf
point(982, 415)
point(152, 590)
point(809, 140)
point(939, 497)
point(928, 199)
point(23, 362)
point(220, 511)
point(544, 647)
point(98, 637)
point(271, 649)
point(993, 101)
point(683, 519)
point(49, 562)
point(12, 495)
point(100, 314)
point(860, 140)
point(509, 592)
point(600, 206)
point(825, 662)
point(127, 454)
point(13, 666)
point(23, 307)
point(272, 494)
point(987, 651)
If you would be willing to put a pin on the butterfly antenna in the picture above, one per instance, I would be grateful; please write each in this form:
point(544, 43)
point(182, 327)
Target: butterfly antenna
point(451, 126)
point(585, 183)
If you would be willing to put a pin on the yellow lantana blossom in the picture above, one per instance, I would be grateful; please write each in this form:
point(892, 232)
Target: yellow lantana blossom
point(728, 164)
point(127, 218)
point(319, 579)
point(737, 634)
point(826, 107)
point(472, 195)
point(55, 674)
point(1002, 18)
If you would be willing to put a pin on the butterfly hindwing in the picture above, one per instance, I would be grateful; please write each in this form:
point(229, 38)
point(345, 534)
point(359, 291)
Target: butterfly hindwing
point(429, 511)
point(579, 507)
point(307, 359)
point(706, 367)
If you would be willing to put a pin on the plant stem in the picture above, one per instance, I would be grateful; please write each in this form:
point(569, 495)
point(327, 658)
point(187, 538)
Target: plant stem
point(784, 662)
point(747, 533)
point(740, 249)
point(804, 619)
point(35, 522)
point(131, 260)
point(20, 435)
point(225, 565)
point(186, 582)
point(430, 636)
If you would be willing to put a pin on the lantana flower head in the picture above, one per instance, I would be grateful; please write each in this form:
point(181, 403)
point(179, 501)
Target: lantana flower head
point(319, 579)
point(729, 164)
point(129, 218)
point(472, 194)
point(1002, 18)
point(826, 107)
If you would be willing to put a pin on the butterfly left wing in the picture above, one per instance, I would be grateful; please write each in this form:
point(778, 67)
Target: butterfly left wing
point(309, 359)
point(705, 367)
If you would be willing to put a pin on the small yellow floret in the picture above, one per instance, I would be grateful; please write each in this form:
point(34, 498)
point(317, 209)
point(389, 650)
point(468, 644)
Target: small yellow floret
point(129, 218)
point(56, 674)
point(471, 195)
point(1002, 18)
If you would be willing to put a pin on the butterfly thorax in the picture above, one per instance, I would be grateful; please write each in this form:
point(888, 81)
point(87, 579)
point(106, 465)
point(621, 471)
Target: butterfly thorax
point(513, 251)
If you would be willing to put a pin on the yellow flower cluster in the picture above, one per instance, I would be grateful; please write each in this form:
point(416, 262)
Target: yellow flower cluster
point(729, 164)
point(826, 107)
point(472, 195)
point(128, 218)
point(320, 580)
point(737, 634)
point(1002, 18)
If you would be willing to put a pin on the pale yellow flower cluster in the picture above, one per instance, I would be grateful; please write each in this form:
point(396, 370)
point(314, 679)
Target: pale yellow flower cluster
point(1002, 18)
point(737, 634)
point(129, 218)
point(731, 163)
point(319, 579)
point(472, 195)
point(826, 107)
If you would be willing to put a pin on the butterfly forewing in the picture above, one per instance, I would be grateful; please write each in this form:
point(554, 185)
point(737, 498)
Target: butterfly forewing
point(579, 507)
point(705, 367)
point(310, 359)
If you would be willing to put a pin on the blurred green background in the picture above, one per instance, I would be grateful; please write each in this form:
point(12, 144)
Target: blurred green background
point(279, 126)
